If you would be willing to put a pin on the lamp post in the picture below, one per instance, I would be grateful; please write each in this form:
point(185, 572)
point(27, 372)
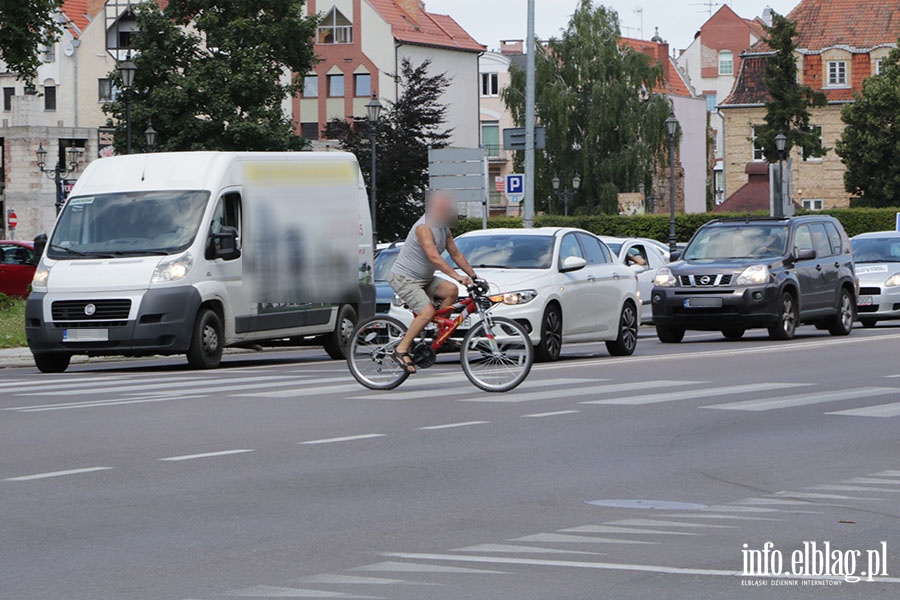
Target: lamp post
point(671, 130)
point(150, 137)
point(373, 113)
point(58, 173)
point(780, 146)
point(566, 194)
point(127, 70)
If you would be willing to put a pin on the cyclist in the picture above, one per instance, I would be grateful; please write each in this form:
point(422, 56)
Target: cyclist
point(413, 274)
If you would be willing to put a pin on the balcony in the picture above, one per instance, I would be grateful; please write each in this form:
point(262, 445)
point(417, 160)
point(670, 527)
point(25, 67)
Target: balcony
point(495, 153)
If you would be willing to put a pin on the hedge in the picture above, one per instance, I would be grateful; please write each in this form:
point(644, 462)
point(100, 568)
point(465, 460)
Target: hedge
point(855, 221)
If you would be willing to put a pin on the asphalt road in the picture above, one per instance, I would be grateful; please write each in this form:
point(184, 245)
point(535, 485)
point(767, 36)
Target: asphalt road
point(278, 477)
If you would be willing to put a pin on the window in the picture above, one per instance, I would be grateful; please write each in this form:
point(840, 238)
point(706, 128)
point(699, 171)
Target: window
point(124, 39)
point(362, 85)
point(105, 90)
point(336, 86)
point(593, 250)
point(48, 53)
point(836, 239)
point(309, 131)
point(817, 131)
point(335, 28)
point(311, 86)
point(490, 138)
point(837, 72)
point(490, 84)
point(227, 214)
point(726, 62)
point(878, 66)
point(8, 93)
point(759, 153)
point(50, 97)
point(711, 102)
point(813, 204)
point(569, 247)
point(820, 240)
point(803, 239)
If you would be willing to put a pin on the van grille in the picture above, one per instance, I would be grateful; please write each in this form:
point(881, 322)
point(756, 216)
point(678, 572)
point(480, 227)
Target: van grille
point(90, 310)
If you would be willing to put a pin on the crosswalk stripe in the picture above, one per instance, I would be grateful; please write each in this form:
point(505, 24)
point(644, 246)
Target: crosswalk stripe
point(777, 502)
point(348, 384)
point(271, 591)
point(881, 410)
point(104, 403)
point(337, 579)
point(511, 549)
point(697, 393)
point(816, 496)
point(724, 517)
point(853, 488)
point(41, 384)
point(872, 480)
point(537, 383)
point(888, 473)
point(401, 567)
point(558, 538)
point(664, 523)
point(597, 390)
point(168, 385)
point(625, 530)
point(805, 399)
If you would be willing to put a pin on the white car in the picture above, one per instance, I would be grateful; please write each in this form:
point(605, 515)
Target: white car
point(563, 285)
point(877, 257)
point(654, 258)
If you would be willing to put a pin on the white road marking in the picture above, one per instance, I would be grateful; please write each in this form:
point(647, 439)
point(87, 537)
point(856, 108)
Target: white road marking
point(550, 414)
point(805, 399)
point(502, 560)
point(880, 411)
point(453, 425)
point(597, 390)
point(780, 502)
point(58, 474)
point(871, 480)
point(349, 438)
point(529, 384)
point(662, 523)
point(557, 538)
point(205, 455)
point(511, 549)
point(188, 386)
point(723, 517)
point(696, 394)
point(625, 530)
point(348, 384)
point(401, 567)
point(886, 474)
point(103, 403)
point(815, 496)
point(43, 384)
point(853, 488)
point(335, 579)
point(270, 591)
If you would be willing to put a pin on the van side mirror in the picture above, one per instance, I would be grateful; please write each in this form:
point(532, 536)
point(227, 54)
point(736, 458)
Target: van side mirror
point(674, 256)
point(40, 244)
point(805, 254)
point(572, 263)
point(223, 245)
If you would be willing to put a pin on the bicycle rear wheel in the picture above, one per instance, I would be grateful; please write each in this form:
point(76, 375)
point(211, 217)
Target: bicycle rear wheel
point(497, 357)
point(369, 353)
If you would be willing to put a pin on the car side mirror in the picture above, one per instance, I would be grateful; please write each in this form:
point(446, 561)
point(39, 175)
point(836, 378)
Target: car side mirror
point(223, 245)
point(805, 254)
point(573, 263)
point(674, 256)
point(40, 244)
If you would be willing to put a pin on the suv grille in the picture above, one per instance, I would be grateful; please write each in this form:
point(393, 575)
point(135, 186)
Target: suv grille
point(706, 280)
point(90, 310)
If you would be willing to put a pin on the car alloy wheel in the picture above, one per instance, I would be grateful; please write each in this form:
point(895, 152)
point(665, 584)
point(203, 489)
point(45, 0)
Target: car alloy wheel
point(550, 346)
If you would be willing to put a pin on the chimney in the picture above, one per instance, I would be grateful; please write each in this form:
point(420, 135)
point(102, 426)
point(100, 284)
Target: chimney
point(512, 47)
point(413, 8)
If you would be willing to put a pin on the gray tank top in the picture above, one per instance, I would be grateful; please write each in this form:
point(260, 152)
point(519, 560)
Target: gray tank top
point(412, 262)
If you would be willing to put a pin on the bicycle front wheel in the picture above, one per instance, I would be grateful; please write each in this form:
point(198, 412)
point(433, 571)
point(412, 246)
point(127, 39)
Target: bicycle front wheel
point(369, 353)
point(497, 357)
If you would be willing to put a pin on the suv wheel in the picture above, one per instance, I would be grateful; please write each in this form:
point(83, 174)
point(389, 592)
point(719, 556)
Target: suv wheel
point(788, 316)
point(842, 322)
point(669, 335)
point(733, 334)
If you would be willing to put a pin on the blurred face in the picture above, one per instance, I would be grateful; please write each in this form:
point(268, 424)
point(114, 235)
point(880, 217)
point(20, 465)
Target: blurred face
point(441, 208)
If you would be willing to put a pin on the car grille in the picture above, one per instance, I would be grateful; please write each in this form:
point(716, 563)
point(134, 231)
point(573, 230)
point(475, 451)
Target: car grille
point(720, 280)
point(869, 291)
point(88, 324)
point(867, 309)
point(103, 310)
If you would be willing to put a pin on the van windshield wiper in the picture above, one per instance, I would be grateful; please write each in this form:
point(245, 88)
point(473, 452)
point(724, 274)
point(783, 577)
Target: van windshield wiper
point(67, 250)
point(139, 253)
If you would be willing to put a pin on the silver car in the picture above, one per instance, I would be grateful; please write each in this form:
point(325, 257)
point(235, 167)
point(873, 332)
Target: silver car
point(877, 258)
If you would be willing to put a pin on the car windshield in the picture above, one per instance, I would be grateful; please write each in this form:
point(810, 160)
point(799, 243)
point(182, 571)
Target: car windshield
point(739, 242)
point(501, 251)
point(384, 262)
point(876, 250)
point(128, 224)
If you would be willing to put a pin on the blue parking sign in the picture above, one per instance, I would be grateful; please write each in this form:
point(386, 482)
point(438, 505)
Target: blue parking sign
point(515, 185)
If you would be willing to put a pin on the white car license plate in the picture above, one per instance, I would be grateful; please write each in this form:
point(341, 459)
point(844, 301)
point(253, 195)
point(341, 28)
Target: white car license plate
point(86, 335)
point(864, 301)
point(703, 303)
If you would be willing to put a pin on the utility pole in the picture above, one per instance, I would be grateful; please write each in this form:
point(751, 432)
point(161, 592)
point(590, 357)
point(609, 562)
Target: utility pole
point(530, 120)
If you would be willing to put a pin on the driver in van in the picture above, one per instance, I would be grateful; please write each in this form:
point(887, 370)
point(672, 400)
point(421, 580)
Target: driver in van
point(413, 274)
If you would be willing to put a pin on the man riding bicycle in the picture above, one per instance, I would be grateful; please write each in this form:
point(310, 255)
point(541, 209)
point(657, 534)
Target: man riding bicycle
point(413, 274)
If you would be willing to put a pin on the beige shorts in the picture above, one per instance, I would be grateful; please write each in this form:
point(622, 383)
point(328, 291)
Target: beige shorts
point(416, 293)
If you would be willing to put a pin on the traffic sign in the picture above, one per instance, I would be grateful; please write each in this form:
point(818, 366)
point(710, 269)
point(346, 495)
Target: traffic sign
point(514, 138)
point(515, 186)
point(13, 219)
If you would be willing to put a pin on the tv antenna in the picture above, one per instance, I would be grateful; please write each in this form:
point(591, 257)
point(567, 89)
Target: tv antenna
point(640, 11)
point(708, 6)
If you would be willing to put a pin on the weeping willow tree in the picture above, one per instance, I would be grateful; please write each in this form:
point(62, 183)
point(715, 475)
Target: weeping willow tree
point(598, 103)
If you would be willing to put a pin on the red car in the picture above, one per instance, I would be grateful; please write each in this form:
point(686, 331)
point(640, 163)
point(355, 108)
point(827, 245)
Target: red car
point(17, 265)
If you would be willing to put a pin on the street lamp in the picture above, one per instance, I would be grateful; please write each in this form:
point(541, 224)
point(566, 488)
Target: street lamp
point(150, 136)
point(671, 130)
point(566, 194)
point(373, 113)
point(780, 145)
point(58, 173)
point(127, 71)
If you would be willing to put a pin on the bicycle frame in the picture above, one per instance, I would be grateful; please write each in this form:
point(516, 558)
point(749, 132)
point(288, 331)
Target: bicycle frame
point(447, 326)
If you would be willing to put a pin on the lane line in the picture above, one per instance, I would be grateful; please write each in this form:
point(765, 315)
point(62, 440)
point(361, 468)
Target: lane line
point(805, 399)
point(58, 474)
point(349, 438)
point(882, 411)
point(453, 425)
point(597, 390)
point(206, 455)
point(551, 414)
point(696, 394)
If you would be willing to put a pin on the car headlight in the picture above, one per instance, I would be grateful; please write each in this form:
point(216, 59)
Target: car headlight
point(173, 269)
point(754, 275)
point(515, 298)
point(893, 280)
point(665, 278)
point(41, 276)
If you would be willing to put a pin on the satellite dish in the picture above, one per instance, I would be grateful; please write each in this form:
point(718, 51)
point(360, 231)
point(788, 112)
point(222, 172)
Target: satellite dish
point(69, 51)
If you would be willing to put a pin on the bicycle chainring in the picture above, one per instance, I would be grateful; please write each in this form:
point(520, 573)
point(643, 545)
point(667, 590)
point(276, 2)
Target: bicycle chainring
point(423, 355)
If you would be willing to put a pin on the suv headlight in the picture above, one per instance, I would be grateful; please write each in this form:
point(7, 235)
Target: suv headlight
point(754, 275)
point(173, 269)
point(893, 280)
point(514, 298)
point(665, 278)
point(41, 276)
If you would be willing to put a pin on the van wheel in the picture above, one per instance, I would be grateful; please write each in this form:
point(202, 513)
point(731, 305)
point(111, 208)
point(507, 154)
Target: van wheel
point(733, 334)
point(842, 322)
point(205, 351)
point(626, 343)
point(336, 342)
point(788, 316)
point(669, 335)
point(52, 363)
point(550, 346)
point(868, 323)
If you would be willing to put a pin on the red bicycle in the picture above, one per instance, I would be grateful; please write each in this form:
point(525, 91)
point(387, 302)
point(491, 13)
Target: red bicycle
point(496, 353)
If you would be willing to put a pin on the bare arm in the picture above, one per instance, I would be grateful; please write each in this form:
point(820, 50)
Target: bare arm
point(426, 240)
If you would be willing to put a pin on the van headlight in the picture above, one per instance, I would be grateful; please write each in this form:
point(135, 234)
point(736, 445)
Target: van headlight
point(893, 280)
point(172, 269)
point(41, 276)
point(753, 275)
point(665, 278)
point(515, 298)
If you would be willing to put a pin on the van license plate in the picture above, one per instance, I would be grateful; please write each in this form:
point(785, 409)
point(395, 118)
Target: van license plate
point(85, 335)
point(703, 303)
point(865, 301)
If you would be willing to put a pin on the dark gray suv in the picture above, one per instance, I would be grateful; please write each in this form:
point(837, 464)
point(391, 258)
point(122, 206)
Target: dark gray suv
point(768, 273)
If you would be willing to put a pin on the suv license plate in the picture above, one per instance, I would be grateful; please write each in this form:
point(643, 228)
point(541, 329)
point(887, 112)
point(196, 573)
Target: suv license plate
point(85, 335)
point(703, 303)
point(865, 301)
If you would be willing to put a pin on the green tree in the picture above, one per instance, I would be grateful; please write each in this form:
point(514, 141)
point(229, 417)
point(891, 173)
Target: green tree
point(408, 127)
point(870, 144)
point(788, 109)
point(599, 105)
point(27, 26)
point(213, 74)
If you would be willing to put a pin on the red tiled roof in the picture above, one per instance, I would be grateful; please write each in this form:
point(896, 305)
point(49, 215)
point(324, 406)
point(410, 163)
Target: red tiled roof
point(675, 84)
point(427, 29)
point(750, 85)
point(753, 196)
point(78, 12)
point(757, 27)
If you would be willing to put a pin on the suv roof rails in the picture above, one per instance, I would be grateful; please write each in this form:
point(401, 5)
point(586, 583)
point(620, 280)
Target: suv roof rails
point(750, 219)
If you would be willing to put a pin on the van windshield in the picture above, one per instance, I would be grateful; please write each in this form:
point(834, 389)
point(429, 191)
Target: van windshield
point(128, 224)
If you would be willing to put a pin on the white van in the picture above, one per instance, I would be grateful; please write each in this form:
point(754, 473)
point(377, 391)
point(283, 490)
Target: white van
point(189, 253)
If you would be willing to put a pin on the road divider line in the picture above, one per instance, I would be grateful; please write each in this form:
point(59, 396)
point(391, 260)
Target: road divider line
point(556, 413)
point(696, 394)
point(349, 438)
point(206, 455)
point(58, 474)
point(453, 425)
